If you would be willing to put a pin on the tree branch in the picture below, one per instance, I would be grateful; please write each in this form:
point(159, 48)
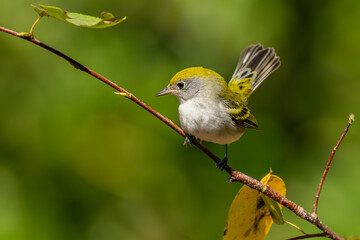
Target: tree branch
point(235, 176)
point(308, 236)
point(351, 119)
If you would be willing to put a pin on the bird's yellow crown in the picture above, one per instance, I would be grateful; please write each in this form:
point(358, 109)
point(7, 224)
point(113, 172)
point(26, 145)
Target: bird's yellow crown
point(194, 72)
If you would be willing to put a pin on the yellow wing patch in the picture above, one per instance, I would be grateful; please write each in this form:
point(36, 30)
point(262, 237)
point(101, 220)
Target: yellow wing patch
point(242, 87)
point(240, 113)
point(241, 116)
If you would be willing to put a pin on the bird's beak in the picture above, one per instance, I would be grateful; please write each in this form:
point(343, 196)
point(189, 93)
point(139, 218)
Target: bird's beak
point(165, 91)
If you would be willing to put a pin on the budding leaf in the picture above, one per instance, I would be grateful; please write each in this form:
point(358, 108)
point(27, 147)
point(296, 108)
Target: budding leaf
point(107, 16)
point(40, 11)
point(77, 19)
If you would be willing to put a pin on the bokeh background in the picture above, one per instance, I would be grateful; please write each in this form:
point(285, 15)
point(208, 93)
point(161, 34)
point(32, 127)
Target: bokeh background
point(79, 162)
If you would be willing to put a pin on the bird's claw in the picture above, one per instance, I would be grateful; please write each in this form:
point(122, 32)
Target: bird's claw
point(222, 164)
point(189, 140)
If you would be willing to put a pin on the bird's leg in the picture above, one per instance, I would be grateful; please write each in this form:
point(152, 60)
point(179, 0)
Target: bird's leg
point(223, 163)
point(189, 139)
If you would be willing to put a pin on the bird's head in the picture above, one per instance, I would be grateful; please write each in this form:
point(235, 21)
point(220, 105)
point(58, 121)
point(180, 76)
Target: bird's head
point(194, 82)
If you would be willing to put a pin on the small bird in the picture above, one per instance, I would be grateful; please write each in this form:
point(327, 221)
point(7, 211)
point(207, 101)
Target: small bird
point(214, 111)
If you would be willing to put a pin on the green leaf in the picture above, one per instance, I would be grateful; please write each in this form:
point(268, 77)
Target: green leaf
point(77, 19)
point(274, 209)
point(54, 12)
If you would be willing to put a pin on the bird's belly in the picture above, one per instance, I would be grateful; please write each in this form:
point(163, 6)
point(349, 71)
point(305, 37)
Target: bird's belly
point(212, 124)
point(220, 137)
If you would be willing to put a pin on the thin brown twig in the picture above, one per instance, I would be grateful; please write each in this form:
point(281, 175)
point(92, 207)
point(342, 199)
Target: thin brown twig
point(308, 236)
point(351, 119)
point(235, 176)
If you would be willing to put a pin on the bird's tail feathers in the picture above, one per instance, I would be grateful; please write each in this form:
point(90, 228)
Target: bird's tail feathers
point(255, 63)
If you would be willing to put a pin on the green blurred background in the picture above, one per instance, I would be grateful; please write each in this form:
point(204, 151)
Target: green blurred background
point(79, 162)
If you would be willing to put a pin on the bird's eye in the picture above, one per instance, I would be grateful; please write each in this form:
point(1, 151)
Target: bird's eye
point(180, 85)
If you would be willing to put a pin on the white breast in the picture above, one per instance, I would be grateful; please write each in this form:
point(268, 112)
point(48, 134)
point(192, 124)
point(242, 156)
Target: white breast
point(209, 121)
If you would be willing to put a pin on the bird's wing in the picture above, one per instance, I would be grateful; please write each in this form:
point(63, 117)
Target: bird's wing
point(255, 64)
point(240, 114)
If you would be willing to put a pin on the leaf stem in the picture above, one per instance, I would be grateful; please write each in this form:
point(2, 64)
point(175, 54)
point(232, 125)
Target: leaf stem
point(31, 34)
point(293, 225)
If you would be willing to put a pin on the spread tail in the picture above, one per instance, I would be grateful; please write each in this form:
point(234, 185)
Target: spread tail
point(255, 64)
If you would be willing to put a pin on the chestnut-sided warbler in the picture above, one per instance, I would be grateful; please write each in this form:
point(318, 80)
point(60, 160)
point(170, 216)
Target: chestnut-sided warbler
point(214, 111)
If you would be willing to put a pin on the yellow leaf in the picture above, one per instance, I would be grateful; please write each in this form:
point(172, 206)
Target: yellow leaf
point(249, 218)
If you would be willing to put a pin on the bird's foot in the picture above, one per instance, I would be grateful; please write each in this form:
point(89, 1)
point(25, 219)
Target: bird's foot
point(222, 164)
point(189, 140)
